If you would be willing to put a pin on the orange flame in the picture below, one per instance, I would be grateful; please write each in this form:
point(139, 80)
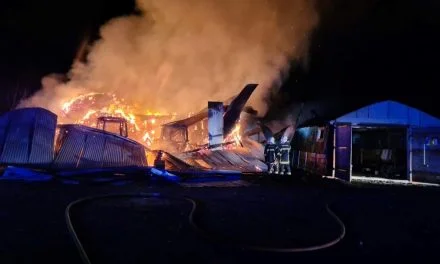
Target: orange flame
point(87, 116)
point(147, 139)
point(66, 106)
point(129, 117)
point(234, 135)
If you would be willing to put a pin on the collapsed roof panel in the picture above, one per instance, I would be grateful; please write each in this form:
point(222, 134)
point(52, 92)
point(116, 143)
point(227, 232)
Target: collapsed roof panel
point(85, 147)
point(227, 159)
point(233, 107)
point(190, 120)
point(232, 113)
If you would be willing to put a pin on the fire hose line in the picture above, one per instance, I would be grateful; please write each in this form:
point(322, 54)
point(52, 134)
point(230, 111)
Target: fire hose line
point(192, 222)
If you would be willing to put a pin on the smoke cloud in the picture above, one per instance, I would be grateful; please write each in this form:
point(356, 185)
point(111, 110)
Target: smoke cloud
point(178, 54)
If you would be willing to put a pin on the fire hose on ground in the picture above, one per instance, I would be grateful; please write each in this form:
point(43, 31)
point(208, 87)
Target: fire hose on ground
point(194, 225)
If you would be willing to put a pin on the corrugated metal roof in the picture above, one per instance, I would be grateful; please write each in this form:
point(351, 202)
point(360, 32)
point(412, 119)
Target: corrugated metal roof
point(390, 112)
point(27, 136)
point(232, 159)
point(85, 147)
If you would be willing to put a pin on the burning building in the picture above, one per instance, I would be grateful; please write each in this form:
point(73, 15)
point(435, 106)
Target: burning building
point(144, 67)
point(143, 125)
point(98, 130)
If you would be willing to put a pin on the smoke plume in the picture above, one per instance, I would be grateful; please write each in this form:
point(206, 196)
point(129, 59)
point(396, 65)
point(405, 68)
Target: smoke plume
point(178, 54)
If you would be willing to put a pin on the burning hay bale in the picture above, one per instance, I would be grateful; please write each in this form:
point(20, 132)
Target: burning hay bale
point(86, 109)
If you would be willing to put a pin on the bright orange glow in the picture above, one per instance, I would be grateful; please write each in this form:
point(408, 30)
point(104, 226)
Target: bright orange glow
point(234, 135)
point(66, 106)
point(141, 127)
point(87, 115)
point(147, 139)
point(152, 113)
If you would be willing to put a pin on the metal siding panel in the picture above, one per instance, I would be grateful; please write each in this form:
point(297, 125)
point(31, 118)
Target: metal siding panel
point(126, 154)
point(18, 138)
point(93, 151)
point(224, 160)
point(212, 160)
point(140, 155)
point(26, 136)
point(42, 151)
point(425, 159)
point(92, 148)
point(71, 149)
point(236, 160)
point(343, 152)
point(112, 155)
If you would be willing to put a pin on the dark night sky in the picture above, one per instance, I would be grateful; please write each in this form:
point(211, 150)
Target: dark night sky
point(374, 50)
point(383, 49)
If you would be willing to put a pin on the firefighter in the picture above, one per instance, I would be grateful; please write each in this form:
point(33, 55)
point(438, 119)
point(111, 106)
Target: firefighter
point(270, 155)
point(284, 156)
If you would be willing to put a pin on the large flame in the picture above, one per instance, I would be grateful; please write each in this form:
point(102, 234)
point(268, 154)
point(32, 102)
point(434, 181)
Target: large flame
point(234, 136)
point(86, 108)
point(143, 125)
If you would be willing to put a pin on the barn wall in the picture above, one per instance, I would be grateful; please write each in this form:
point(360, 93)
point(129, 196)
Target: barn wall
point(421, 124)
point(425, 164)
point(311, 150)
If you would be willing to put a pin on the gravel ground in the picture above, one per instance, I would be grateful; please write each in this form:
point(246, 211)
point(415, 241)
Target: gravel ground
point(394, 221)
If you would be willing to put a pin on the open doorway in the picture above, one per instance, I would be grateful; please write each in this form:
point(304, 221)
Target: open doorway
point(379, 152)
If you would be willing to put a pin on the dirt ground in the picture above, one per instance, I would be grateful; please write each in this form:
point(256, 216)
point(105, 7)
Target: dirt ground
point(400, 222)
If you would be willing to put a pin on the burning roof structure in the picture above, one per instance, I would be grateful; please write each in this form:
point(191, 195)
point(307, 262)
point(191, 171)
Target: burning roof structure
point(98, 130)
point(189, 139)
point(86, 109)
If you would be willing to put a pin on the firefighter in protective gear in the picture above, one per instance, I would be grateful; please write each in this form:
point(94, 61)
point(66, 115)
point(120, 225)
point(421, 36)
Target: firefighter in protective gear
point(284, 156)
point(270, 155)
